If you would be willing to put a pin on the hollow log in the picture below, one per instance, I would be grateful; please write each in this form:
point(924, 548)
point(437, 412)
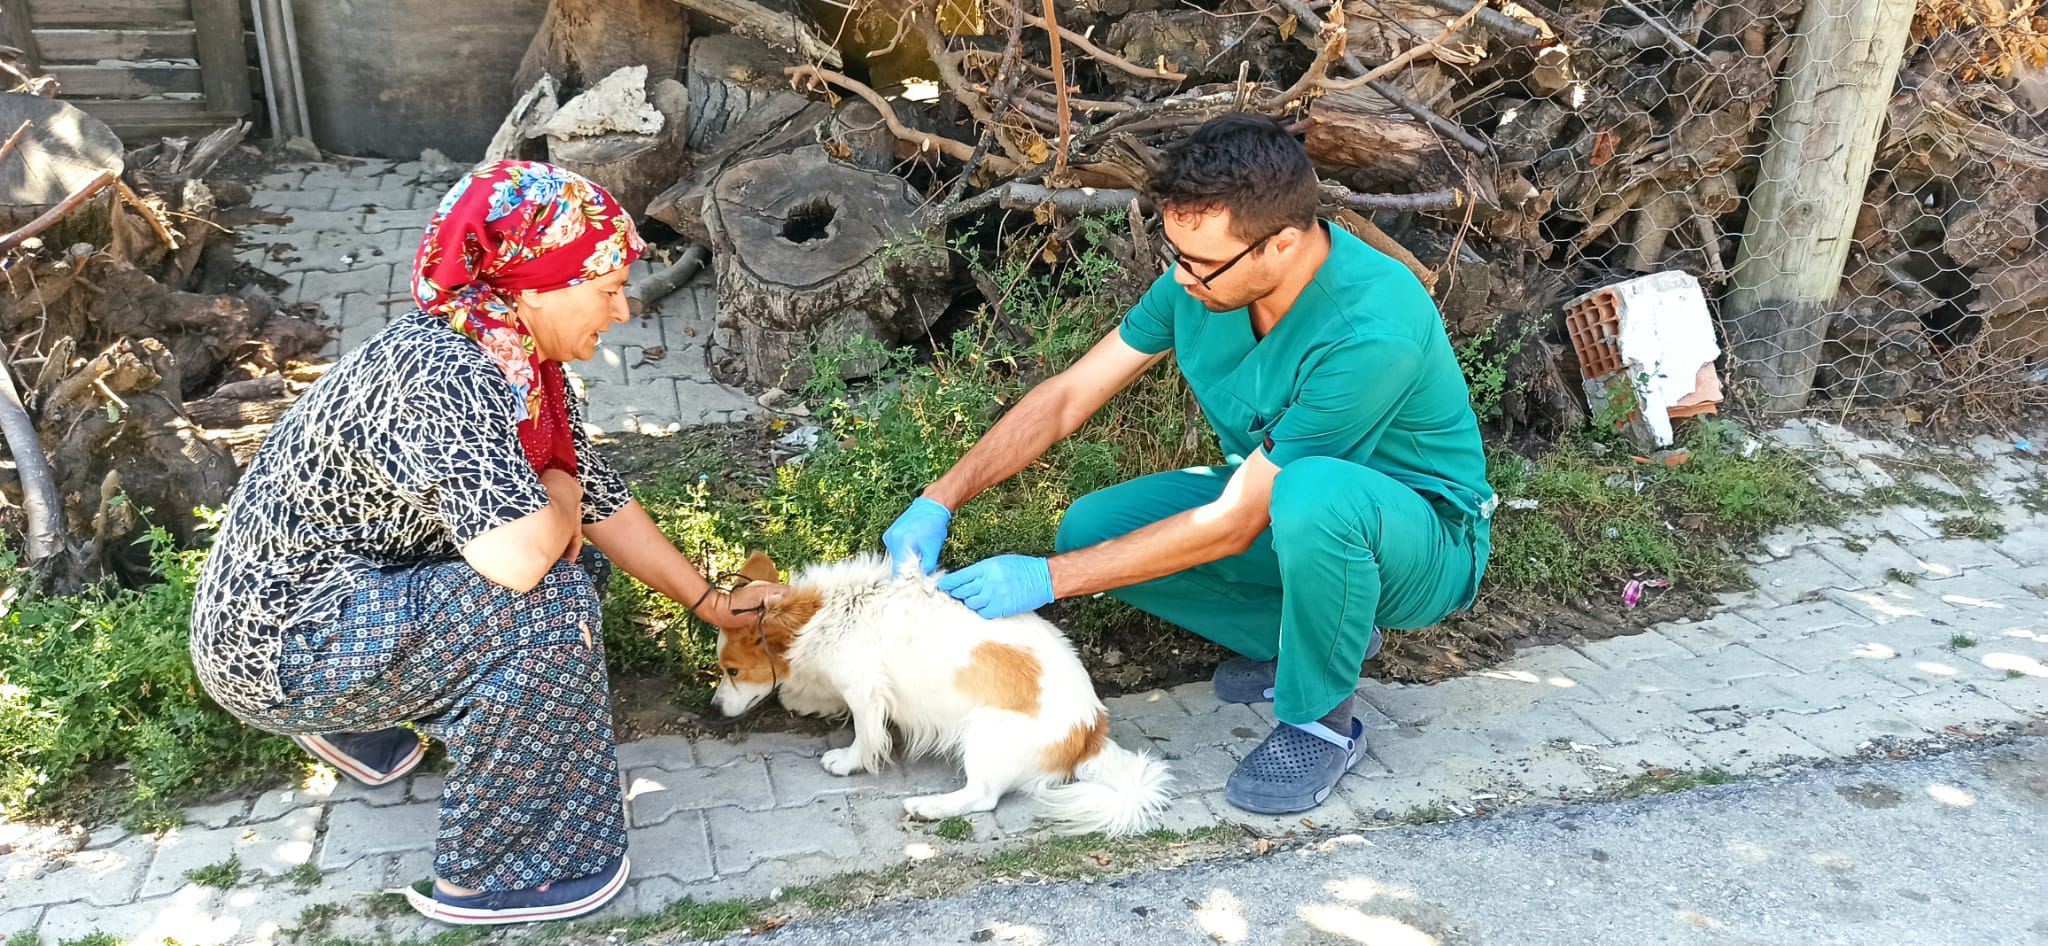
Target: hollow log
point(809, 255)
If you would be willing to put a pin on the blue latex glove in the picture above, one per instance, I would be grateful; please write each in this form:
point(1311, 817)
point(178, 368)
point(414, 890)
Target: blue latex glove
point(1001, 586)
point(916, 537)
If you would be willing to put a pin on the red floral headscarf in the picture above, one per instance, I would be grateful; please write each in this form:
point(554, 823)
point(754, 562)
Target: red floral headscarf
point(515, 225)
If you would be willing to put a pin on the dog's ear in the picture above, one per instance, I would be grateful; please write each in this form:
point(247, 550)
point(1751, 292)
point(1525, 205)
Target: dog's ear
point(760, 567)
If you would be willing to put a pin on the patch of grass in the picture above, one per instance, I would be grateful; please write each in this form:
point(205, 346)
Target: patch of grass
point(100, 711)
point(1972, 526)
point(30, 937)
point(1669, 782)
point(1902, 577)
point(1933, 480)
point(1431, 813)
point(306, 876)
point(955, 829)
point(1066, 858)
point(880, 445)
point(685, 917)
point(95, 938)
point(316, 919)
point(1961, 642)
point(2033, 498)
point(226, 875)
point(1601, 517)
point(386, 903)
point(1061, 858)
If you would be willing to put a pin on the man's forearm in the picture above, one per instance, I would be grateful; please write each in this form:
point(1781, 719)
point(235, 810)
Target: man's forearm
point(1195, 537)
point(1023, 435)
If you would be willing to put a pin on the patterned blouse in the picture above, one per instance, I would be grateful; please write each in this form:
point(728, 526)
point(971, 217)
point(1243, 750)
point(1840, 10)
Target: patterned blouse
point(405, 451)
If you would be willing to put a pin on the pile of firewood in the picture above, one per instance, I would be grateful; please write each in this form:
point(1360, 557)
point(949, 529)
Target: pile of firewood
point(141, 362)
point(1510, 153)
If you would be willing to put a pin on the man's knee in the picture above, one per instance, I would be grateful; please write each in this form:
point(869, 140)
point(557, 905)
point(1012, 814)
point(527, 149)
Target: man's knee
point(1091, 519)
point(1323, 495)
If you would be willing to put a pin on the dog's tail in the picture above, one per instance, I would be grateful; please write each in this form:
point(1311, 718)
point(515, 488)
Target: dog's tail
point(1117, 792)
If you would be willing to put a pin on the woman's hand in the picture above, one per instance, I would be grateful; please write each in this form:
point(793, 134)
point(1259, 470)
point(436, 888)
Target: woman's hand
point(721, 610)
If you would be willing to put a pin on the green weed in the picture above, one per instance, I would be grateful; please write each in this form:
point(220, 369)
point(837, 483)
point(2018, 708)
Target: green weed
point(306, 876)
point(1652, 783)
point(1600, 519)
point(955, 829)
point(226, 875)
point(104, 679)
point(1427, 814)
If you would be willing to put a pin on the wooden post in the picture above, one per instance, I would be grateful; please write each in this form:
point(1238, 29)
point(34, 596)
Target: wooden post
point(18, 31)
point(224, 66)
point(1824, 130)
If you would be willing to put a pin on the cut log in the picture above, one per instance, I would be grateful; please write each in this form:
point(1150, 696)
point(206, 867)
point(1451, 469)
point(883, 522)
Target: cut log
point(1996, 225)
point(634, 167)
point(1825, 128)
point(783, 29)
point(514, 139)
point(582, 41)
point(778, 125)
point(810, 255)
point(2012, 290)
point(120, 411)
point(1192, 42)
point(1352, 135)
point(63, 150)
point(731, 76)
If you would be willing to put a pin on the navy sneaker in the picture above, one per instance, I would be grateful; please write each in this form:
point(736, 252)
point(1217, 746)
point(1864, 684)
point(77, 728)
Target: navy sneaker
point(374, 758)
point(1294, 769)
point(561, 900)
point(1244, 680)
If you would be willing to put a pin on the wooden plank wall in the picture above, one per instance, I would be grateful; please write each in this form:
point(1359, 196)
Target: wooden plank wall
point(145, 67)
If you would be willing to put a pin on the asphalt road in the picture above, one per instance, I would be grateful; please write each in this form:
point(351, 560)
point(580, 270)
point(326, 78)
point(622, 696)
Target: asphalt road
point(1945, 850)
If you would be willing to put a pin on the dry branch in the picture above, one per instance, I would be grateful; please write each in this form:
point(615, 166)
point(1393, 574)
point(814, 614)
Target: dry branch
point(63, 209)
point(1098, 53)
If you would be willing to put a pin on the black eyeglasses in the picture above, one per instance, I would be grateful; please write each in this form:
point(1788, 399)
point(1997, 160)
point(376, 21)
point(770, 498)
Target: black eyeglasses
point(1170, 255)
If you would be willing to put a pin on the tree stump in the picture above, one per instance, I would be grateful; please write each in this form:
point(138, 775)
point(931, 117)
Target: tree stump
point(809, 258)
point(633, 167)
point(63, 149)
point(582, 41)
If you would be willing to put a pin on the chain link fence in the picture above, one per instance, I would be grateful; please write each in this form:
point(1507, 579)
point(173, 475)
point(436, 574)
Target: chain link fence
point(1725, 144)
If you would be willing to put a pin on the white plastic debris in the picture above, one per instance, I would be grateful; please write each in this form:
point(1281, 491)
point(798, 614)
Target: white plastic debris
point(1665, 340)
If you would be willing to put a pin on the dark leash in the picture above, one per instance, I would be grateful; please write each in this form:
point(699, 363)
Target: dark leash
point(728, 724)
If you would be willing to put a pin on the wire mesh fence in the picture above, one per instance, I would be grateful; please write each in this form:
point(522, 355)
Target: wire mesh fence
point(1857, 186)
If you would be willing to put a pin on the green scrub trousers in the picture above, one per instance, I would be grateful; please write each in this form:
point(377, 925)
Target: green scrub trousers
point(1348, 549)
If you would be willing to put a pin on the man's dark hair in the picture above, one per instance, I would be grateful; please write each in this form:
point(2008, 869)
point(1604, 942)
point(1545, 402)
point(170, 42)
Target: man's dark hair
point(1247, 164)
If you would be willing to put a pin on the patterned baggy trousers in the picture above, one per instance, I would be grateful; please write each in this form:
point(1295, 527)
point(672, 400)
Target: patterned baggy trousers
point(514, 685)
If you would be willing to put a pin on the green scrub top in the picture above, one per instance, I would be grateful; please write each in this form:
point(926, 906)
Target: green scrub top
point(1360, 369)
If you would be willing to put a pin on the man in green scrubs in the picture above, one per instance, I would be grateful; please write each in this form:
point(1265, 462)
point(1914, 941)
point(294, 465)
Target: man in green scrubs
point(1353, 495)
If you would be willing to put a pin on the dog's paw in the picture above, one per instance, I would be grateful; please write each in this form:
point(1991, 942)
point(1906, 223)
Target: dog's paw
point(931, 807)
point(841, 761)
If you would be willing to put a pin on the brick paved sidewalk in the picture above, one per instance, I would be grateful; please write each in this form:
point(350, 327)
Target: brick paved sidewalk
point(349, 249)
point(1880, 630)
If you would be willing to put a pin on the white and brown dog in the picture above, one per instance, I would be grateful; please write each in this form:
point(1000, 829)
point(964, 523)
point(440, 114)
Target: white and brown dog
point(1008, 699)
